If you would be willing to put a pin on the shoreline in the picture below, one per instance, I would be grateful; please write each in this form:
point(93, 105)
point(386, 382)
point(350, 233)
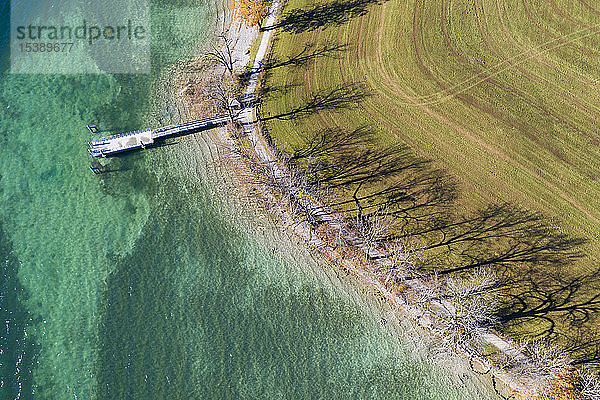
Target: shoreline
point(374, 298)
point(244, 40)
point(267, 154)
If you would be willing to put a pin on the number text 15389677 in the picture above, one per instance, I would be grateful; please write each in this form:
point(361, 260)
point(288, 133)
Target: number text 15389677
point(46, 47)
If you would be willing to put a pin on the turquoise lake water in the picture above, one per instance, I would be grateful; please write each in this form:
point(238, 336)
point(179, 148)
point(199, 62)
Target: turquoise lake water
point(146, 282)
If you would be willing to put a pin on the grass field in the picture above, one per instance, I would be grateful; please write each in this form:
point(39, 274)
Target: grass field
point(502, 96)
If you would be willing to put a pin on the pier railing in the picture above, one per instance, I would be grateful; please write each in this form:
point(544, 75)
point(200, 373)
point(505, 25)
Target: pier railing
point(140, 139)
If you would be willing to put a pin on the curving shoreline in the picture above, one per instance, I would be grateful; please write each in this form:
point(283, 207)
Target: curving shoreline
point(243, 39)
point(267, 155)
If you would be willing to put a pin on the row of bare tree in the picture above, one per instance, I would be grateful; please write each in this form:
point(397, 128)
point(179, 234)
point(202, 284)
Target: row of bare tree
point(459, 304)
point(407, 231)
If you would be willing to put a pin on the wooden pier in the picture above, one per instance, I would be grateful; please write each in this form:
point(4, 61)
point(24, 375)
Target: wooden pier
point(141, 139)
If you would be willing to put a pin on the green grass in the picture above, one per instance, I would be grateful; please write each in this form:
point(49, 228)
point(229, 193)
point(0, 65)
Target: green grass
point(502, 95)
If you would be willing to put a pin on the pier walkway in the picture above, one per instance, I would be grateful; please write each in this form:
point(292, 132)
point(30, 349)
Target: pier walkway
point(141, 139)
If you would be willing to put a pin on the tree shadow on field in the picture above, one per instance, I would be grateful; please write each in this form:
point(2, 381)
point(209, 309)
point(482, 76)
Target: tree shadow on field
point(583, 344)
point(559, 303)
point(343, 97)
point(538, 282)
point(333, 13)
point(306, 55)
point(553, 292)
point(539, 285)
point(268, 92)
point(541, 289)
point(472, 240)
point(350, 161)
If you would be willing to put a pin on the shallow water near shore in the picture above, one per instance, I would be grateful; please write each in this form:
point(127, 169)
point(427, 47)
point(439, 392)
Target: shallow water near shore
point(146, 282)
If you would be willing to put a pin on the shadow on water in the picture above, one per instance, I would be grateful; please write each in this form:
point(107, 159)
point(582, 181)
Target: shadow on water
point(4, 36)
point(119, 115)
point(165, 338)
point(19, 352)
point(122, 101)
point(148, 321)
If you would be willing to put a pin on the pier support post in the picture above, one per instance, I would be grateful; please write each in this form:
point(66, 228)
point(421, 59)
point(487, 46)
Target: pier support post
point(93, 128)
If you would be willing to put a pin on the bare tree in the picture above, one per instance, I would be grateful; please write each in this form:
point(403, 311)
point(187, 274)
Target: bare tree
point(223, 55)
point(293, 185)
point(372, 228)
point(544, 369)
point(589, 384)
point(221, 91)
point(460, 306)
point(547, 357)
point(306, 196)
point(403, 256)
